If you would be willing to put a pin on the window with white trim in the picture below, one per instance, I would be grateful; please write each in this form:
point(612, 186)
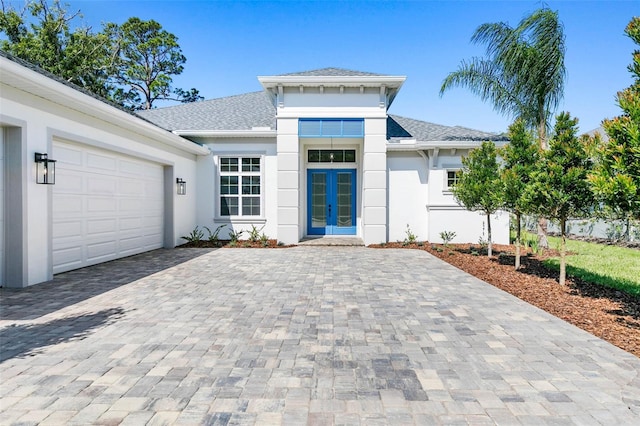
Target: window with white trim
point(452, 178)
point(240, 186)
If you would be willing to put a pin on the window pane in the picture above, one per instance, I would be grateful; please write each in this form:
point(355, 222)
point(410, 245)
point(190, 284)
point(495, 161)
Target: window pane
point(228, 164)
point(314, 156)
point(228, 185)
point(228, 206)
point(251, 185)
point(350, 156)
point(352, 128)
point(250, 164)
point(251, 206)
point(309, 127)
point(331, 127)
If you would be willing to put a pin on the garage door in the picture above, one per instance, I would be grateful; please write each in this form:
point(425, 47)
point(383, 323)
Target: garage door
point(106, 205)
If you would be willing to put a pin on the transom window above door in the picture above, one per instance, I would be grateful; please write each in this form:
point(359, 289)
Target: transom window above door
point(331, 127)
point(331, 156)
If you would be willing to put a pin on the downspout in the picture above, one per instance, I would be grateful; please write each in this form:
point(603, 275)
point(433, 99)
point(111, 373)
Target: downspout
point(425, 157)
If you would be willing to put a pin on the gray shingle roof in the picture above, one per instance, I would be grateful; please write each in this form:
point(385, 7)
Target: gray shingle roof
point(404, 128)
point(241, 112)
point(331, 72)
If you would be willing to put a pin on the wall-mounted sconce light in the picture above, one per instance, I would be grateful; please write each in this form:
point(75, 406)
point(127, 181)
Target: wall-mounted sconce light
point(182, 186)
point(45, 169)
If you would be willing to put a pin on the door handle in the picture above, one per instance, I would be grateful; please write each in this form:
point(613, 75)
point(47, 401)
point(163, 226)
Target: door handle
point(329, 209)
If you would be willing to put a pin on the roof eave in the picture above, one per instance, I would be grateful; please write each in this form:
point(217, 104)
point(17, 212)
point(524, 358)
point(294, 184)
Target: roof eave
point(31, 81)
point(227, 133)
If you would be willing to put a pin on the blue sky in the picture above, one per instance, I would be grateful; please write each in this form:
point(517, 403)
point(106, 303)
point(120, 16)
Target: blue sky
point(229, 43)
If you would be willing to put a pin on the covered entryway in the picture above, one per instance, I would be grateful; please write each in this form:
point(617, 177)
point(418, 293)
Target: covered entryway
point(106, 205)
point(331, 207)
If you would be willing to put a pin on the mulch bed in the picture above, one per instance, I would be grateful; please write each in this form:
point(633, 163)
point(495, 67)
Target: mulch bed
point(607, 313)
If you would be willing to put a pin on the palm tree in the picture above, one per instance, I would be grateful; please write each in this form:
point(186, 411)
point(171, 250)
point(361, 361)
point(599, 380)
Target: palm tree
point(523, 74)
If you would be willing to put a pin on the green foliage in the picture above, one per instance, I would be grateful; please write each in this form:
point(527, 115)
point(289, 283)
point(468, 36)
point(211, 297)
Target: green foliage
point(523, 73)
point(41, 34)
point(616, 177)
point(264, 239)
point(214, 236)
point(195, 236)
point(479, 187)
point(411, 238)
point(234, 236)
point(254, 234)
point(610, 266)
point(559, 188)
point(447, 237)
point(130, 64)
point(519, 159)
point(147, 57)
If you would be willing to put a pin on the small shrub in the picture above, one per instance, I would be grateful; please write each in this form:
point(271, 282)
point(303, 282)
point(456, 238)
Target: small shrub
point(234, 236)
point(411, 238)
point(213, 236)
point(447, 237)
point(195, 236)
point(264, 239)
point(254, 234)
point(280, 244)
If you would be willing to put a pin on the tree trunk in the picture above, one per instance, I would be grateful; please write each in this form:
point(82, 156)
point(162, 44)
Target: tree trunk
point(518, 235)
point(543, 241)
point(627, 231)
point(563, 250)
point(489, 235)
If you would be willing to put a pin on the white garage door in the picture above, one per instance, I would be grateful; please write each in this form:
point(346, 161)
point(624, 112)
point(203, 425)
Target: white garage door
point(106, 205)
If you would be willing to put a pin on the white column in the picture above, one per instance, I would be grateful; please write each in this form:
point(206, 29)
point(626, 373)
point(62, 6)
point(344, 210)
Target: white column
point(374, 181)
point(288, 181)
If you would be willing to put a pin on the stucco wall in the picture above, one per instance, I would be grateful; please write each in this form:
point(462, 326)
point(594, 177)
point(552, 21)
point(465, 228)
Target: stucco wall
point(408, 195)
point(39, 121)
point(209, 186)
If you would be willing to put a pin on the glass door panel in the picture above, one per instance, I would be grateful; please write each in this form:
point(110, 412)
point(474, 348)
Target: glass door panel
point(331, 202)
point(318, 200)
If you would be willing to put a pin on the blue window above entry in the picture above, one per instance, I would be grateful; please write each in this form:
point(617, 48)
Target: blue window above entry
point(331, 127)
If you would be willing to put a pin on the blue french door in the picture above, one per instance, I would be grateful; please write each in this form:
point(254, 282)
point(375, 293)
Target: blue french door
point(331, 201)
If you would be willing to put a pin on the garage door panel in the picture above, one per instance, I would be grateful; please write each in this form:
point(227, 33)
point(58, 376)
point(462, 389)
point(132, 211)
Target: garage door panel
point(130, 223)
point(101, 249)
point(72, 182)
point(69, 156)
point(69, 229)
point(102, 226)
point(131, 188)
point(68, 258)
point(67, 205)
point(110, 205)
point(103, 185)
point(106, 205)
point(102, 162)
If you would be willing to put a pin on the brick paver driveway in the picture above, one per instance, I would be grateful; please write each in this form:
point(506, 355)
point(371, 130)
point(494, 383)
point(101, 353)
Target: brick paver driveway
point(317, 335)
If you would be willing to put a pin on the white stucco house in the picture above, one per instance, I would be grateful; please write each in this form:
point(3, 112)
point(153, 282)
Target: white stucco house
point(312, 154)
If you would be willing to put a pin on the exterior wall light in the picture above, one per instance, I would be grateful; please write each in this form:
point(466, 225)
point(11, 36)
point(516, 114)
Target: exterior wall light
point(45, 169)
point(181, 186)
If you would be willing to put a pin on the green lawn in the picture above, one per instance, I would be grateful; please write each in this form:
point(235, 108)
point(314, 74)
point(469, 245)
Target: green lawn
point(610, 266)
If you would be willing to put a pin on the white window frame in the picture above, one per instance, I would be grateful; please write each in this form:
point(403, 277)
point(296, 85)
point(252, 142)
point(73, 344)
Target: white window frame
point(240, 174)
point(447, 187)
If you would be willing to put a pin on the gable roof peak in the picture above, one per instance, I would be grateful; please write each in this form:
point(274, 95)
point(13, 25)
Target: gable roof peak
point(330, 72)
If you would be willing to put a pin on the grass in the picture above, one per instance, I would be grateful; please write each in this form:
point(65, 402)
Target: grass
point(610, 266)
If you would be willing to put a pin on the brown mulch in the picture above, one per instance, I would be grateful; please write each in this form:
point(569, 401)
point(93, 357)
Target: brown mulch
point(607, 313)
